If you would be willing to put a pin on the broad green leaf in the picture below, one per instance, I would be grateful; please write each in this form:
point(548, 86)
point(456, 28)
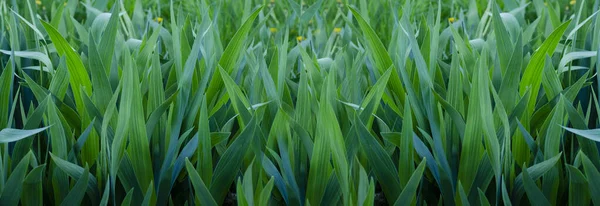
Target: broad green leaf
point(503, 42)
point(31, 55)
point(127, 199)
point(577, 181)
point(591, 134)
point(593, 176)
point(230, 56)
point(32, 187)
point(551, 149)
point(78, 76)
point(321, 169)
point(406, 160)
point(373, 98)
point(479, 123)
point(380, 56)
point(383, 167)
point(230, 162)
point(535, 195)
point(132, 109)
point(311, 11)
point(266, 192)
point(78, 191)
point(408, 193)
point(76, 172)
point(532, 76)
point(6, 84)
point(238, 99)
point(534, 172)
point(201, 191)
point(11, 195)
point(13, 135)
point(510, 80)
point(108, 41)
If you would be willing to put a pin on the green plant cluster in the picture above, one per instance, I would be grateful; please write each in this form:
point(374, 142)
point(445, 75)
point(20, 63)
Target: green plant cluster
point(299, 102)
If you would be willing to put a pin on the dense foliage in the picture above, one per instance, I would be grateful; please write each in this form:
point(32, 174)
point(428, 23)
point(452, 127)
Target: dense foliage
point(289, 102)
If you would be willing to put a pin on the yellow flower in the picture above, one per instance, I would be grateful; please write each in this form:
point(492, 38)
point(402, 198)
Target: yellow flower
point(337, 30)
point(300, 38)
point(159, 19)
point(65, 4)
point(38, 2)
point(451, 19)
point(572, 2)
point(273, 30)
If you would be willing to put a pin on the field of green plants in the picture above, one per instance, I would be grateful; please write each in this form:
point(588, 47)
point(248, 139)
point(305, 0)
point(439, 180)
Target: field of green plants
point(299, 102)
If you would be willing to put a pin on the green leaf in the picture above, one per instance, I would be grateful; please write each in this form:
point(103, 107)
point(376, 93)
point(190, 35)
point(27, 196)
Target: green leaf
point(78, 76)
point(76, 172)
point(265, 193)
point(78, 191)
point(6, 83)
point(577, 180)
point(373, 98)
point(230, 162)
point(238, 100)
point(510, 80)
point(534, 172)
point(32, 187)
point(591, 134)
point(535, 195)
point(106, 47)
point(593, 177)
point(311, 11)
point(380, 56)
point(128, 197)
point(503, 42)
point(31, 55)
point(382, 164)
point(532, 76)
point(479, 123)
point(12, 193)
point(408, 193)
point(230, 56)
point(464, 200)
point(12, 135)
point(205, 144)
point(406, 160)
point(202, 193)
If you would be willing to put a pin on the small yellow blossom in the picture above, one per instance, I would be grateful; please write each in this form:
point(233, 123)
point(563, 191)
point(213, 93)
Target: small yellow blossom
point(451, 19)
point(572, 2)
point(567, 8)
point(300, 38)
point(65, 4)
point(337, 30)
point(159, 19)
point(272, 1)
point(273, 30)
point(38, 2)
